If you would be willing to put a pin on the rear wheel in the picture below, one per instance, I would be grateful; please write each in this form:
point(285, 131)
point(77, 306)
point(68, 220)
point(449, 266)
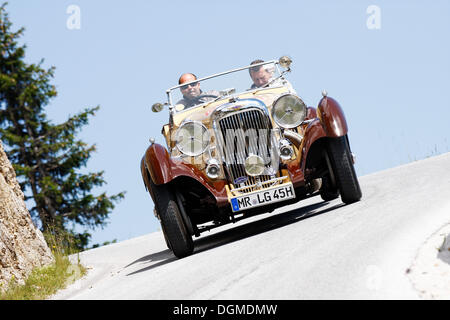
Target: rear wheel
point(343, 170)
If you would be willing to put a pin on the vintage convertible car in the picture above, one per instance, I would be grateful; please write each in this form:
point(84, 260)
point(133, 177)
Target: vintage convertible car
point(245, 152)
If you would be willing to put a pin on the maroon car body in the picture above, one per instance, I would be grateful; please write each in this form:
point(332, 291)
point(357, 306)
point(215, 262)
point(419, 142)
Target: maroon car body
point(193, 193)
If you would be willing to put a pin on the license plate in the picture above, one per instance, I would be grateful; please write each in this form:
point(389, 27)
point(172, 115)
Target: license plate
point(261, 198)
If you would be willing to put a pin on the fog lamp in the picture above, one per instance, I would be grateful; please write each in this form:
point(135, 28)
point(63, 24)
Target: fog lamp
point(286, 150)
point(213, 169)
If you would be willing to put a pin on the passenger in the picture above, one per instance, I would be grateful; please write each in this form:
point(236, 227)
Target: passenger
point(263, 75)
point(259, 74)
point(192, 94)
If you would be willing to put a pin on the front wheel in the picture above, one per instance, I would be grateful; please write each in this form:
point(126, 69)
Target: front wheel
point(178, 237)
point(328, 195)
point(174, 229)
point(329, 191)
point(166, 239)
point(344, 172)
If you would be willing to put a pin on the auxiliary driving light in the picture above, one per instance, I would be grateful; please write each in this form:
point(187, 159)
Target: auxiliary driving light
point(213, 169)
point(286, 150)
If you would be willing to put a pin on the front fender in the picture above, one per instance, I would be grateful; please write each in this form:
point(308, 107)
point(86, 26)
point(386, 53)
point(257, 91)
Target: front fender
point(332, 117)
point(157, 161)
point(164, 169)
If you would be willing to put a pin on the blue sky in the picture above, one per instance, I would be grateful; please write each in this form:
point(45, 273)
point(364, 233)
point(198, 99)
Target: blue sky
point(391, 82)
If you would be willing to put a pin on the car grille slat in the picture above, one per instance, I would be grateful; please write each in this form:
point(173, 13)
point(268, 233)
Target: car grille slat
point(238, 145)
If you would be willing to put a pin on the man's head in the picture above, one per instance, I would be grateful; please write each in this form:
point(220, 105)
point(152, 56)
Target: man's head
point(192, 90)
point(259, 74)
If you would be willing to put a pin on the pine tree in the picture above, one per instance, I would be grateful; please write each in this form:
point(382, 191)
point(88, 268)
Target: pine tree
point(47, 157)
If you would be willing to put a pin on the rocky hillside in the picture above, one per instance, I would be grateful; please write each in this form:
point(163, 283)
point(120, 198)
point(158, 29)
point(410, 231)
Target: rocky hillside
point(22, 245)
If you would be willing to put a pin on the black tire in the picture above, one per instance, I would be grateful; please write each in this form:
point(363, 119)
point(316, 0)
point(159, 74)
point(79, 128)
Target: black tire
point(166, 239)
point(174, 230)
point(329, 190)
point(328, 195)
point(343, 170)
point(180, 241)
point(161, 196)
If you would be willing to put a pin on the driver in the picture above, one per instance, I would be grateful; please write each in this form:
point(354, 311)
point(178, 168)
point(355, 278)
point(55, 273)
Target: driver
point(192, 94)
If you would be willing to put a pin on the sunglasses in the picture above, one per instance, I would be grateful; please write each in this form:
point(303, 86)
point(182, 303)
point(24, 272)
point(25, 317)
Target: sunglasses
point(194, 84)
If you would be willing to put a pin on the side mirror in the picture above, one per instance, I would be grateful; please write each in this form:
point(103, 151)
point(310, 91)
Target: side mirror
point(285, 62)
point(157, 107)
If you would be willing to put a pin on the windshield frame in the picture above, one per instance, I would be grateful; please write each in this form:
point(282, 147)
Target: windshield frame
point(169, 91)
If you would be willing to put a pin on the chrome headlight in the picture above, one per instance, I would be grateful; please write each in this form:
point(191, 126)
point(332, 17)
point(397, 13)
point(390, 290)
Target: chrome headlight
point(289, 111)
point(192, 138)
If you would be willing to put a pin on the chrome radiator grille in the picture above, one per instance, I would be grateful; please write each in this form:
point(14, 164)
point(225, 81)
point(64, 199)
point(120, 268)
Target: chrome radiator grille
point(243, 133)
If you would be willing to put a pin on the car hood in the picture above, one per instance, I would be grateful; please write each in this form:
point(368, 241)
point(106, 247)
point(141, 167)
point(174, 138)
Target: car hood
point(203, 113)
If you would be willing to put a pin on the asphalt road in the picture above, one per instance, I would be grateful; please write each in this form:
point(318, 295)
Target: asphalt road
point(309, 250)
